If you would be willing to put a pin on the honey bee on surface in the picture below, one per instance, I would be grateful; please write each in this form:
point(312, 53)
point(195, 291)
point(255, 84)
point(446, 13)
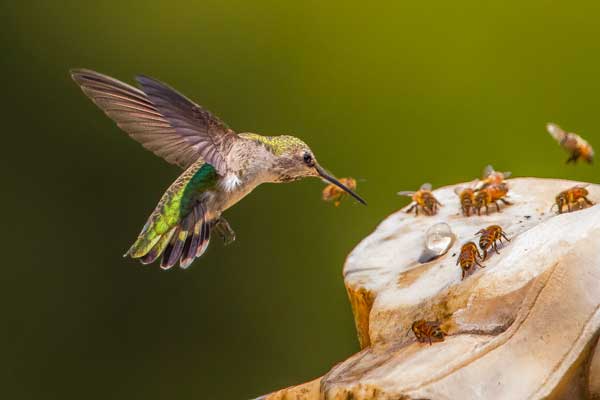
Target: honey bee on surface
point(571, 142)
point(334, 194)
point(428, 331)
point(467, 199)
point(491, 194)
point(423, 199)
point(574, 195)
point(469, 257)
point(492, 177)
point(489, 238)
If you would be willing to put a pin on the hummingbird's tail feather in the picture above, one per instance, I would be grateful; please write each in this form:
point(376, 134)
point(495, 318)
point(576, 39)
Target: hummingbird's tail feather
point(175, 248)
point(158, 248)
point(184, 242)
point(205, 239)
point(197, 242)
point(190, 241)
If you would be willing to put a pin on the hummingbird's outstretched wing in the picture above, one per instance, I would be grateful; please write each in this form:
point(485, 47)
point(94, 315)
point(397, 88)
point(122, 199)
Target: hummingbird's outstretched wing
point(211, 137)
point(185, 134)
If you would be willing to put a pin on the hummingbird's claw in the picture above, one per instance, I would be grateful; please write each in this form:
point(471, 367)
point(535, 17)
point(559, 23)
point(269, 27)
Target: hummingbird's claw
point(224, 230)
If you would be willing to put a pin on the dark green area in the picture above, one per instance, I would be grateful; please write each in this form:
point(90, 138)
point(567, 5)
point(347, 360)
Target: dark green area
point(395, 94)
point(204, 178)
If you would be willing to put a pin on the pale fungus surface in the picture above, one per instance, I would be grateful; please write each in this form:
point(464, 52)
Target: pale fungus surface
point(523, 327)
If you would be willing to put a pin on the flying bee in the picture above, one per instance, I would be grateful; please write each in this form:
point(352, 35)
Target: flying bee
point(489, 195)
point(467, 199)
point(574, 195)
point(469, 257)
point(571, 142)
point(334, 194)
point(492, 177)
point(489, 238)
point(423, 199)
point(428, 331)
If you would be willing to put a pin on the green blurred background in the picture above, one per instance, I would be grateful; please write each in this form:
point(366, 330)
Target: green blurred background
point(395, 94)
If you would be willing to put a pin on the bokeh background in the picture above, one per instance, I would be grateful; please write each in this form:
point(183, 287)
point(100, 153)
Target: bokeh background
point(394, 93)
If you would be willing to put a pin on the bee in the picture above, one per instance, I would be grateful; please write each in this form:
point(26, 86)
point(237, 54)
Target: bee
point(428, 331)
point(491, 194)
point(422, 198)
point(572, 143)
point(492, 177)
point(489, 238)
point(469, 257)
point(574, 195)
point(333, 192)
point(467, 199)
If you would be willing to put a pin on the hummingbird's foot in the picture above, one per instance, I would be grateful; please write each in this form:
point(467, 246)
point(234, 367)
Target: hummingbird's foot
point(222, 227)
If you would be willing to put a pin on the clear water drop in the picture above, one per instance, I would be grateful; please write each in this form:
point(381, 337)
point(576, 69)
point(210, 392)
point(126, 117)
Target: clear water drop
point(438, 239)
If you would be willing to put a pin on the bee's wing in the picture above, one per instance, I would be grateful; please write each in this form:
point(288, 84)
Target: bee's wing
point(556, 132)
point(581, 141)
point(506, 174)
point(406, 193)
point(458, 190)
point(488, 170)
point(351, 183)
point(474, 183)
point(426, 186)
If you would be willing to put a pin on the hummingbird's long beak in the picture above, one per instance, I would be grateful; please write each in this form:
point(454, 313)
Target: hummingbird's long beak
point(331, 179)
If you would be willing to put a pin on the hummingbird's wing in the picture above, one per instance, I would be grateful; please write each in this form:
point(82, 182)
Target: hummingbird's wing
point(136, 114)
point(209, 136)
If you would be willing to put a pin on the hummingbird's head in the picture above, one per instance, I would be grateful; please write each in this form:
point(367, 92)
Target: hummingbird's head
point(295, 160)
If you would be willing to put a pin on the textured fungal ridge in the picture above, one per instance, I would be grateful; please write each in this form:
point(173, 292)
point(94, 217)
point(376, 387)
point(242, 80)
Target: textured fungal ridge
point(523, 327)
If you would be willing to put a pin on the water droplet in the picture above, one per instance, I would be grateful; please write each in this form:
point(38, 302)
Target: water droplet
point(438, 239)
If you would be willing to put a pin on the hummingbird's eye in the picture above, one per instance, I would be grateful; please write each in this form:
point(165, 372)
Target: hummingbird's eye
point(308, 160)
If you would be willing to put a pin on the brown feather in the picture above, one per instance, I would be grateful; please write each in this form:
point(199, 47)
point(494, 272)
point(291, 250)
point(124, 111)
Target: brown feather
point(195, 238)
point(179, 139)
point(210, 136)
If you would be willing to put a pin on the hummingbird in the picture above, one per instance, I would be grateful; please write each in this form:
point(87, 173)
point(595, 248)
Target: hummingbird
point(220, 165)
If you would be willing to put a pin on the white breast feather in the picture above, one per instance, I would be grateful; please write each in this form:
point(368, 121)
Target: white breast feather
point(230, 182)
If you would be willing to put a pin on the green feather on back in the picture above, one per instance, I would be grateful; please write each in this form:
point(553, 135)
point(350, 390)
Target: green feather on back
point(174, 206)
point(276, 144)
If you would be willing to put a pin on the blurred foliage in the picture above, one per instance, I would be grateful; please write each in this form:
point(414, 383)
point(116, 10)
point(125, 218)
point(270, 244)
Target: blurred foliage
point(395, 94)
